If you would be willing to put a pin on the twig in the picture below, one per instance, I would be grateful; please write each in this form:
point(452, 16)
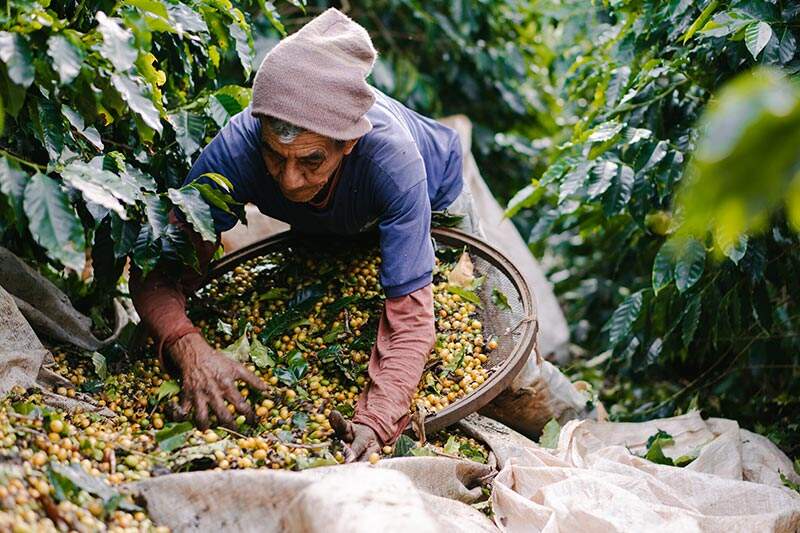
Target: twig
point(18, 159)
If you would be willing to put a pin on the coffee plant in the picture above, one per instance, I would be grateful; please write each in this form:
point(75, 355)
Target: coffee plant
point(714, 314)
point(104, 106)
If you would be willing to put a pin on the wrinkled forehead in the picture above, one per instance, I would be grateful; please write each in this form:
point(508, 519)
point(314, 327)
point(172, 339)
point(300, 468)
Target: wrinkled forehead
point(294, 139)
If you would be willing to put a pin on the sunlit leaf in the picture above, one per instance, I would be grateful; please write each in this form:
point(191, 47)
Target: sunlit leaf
point(117, 45)
point(16, 54)
point(67, 58)
point(135, 94)
point(756, 37)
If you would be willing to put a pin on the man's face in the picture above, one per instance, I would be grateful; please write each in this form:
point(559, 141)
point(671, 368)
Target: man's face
point(303, 166)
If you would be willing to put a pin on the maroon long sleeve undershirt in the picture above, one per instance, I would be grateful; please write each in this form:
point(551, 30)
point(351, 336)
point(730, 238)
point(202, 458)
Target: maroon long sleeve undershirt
point(406, 335)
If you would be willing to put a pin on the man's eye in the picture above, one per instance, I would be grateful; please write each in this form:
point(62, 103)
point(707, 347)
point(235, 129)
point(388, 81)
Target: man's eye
point(312, 162)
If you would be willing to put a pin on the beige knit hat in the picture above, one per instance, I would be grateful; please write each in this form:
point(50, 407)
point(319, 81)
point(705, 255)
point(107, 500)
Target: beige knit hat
point(315, 78)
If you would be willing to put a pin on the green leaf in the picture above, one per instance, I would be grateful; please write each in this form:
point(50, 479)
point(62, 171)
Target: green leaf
point(655, 446)
point(789, 483)
point(500, 299)
point(690, 264)
point(304, 463)
point(135, 93)
point(173, 435)
point(222, 107)
point(452, 446)
point(262, 356)
point(216, 198)
point(124, 234)
point(69, 480)
point(525, 197)
point(12, 184)
point(736, 251)
point(550, 434)
point(275, 293)
point(117, 45)
point(466, 294)
point(157, 211)
point(100, 366)
point(604, 132)
point(403, 446)
point(224, 327)
point(624, 316)
point(619, 194)
point(243, 48)
point(167, 390)
point(422, 451)
point(268, 9)
point(756, 37)
point(151, 6)
point(600, 178)
point(189, 130)
point(701, 20)
point(239, 350)
point(220, 180)
point(196, 210)
point(54, 223)
point(664, 266)
point(146, 250)
point(16, 54)
point(67, 58)
point(691, 319)
point(87, 180)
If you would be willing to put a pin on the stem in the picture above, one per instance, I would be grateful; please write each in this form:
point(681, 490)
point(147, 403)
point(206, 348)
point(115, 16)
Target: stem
point(35, 166)
point(77, 14)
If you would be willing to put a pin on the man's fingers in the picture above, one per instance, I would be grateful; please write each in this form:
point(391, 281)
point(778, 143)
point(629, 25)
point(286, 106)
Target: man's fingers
point(233, 395)
point(372, 447)
point(343, 428)
point(357, 448)
point(224, 417)
point(200, 411)
point(251, 379)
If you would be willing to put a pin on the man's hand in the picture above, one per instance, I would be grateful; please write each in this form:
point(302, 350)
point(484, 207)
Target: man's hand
point(362, 440)
point(208, 379)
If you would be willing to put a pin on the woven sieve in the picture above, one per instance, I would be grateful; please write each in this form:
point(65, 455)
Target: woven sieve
point(514, 328)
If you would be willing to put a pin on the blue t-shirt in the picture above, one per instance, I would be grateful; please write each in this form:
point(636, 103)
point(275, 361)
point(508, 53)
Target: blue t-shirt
point(406, 166)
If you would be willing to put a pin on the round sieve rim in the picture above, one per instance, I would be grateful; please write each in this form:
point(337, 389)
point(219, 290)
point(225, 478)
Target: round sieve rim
point(506, 370)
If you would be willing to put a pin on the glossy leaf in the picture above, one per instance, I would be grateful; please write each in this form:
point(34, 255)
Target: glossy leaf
point(189, 129)
point(67, 58)
point(54, 223)
point(136, 96)
point(624, 316)
point(16, 54)
point(196, 210)
point(690, 264)
point(117, 45)
point(12, 184)
point(756, 37)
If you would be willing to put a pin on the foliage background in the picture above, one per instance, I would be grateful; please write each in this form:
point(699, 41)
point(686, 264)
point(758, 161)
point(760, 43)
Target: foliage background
point(586, 113)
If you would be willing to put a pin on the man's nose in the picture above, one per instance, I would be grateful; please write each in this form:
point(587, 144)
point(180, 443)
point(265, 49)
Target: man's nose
point(292, 178)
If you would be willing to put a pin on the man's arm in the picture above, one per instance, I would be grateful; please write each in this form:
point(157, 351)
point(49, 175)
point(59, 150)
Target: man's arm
point(208, 378)
point(406, 331)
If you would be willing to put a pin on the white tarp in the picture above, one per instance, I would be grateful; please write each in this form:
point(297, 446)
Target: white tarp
point(596, 482)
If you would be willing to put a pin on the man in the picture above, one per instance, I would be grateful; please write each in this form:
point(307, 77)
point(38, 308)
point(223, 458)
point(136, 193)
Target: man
point(323, 151)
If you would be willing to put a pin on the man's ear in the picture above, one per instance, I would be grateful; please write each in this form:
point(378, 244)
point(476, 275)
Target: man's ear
point(349, 145)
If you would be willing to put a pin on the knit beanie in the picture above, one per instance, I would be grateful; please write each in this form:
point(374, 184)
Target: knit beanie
point(316, 78)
